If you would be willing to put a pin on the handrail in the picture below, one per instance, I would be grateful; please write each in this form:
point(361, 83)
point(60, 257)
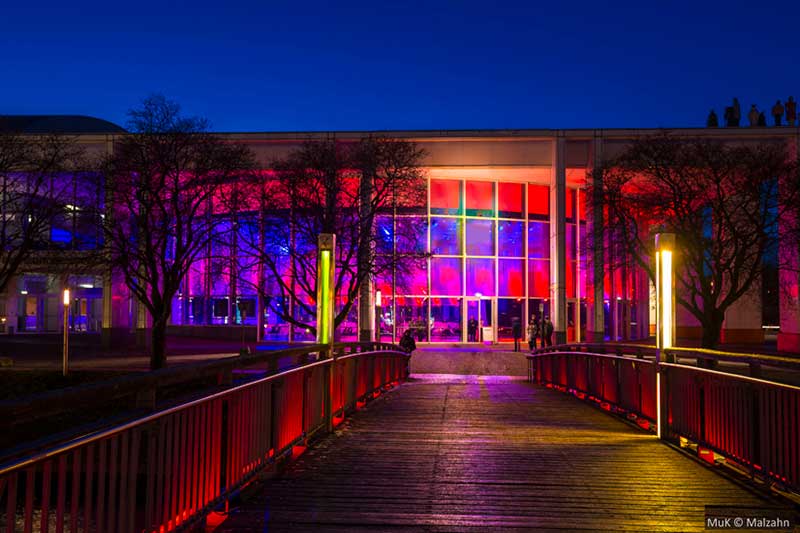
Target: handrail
point(739, 377)
point(702, 353)
point(86, 439)
point(748, 420)
point(57, 401)
point(167, 469)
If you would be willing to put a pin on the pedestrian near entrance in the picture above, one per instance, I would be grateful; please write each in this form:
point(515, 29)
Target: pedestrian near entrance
point(472, 330)
point(777, 112)
point(547, 332)
point(533, 328)
point(516, 332)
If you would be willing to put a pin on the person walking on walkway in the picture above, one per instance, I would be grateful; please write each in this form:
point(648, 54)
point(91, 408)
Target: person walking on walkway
point(791, 111)
point(547, 332)
point(516, 332)
point(407, 343)
point(752, 116)
point(777, 112)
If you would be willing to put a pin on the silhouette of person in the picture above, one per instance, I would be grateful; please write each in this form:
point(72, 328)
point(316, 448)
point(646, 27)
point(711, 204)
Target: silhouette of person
point(547, 332)
point(472, 330)
point(516, 331)
point(762, 120)
point(407, 343)
point(737, 112)
point(777, 112)
point(712, 121)
point(791, 111)
point(753, 116)
point(728, 116)
point(533, 332)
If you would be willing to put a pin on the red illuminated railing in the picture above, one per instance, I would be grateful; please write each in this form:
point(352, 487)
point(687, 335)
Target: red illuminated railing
point(167, 470)
point(752, 422)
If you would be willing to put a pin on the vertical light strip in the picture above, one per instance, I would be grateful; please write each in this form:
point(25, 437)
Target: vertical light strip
point(324, 298)
point(658, 299)
point(658, 404)
point(666, 298)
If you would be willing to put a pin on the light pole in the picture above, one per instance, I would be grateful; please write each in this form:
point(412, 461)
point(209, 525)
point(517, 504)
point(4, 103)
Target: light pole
point(64, 365)
point(665, 318)
point(378, 315)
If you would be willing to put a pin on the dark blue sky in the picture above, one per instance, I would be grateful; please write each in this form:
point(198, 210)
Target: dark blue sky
point(263, 66)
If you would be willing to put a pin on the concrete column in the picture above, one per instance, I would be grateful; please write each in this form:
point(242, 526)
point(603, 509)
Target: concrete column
point(595, 316)
point(642, 304)
point(558, 244)
point(366, 312)
point(743, 319)
point(12, 305)
point(789, 264)
point(366, 293)
point(260, 303)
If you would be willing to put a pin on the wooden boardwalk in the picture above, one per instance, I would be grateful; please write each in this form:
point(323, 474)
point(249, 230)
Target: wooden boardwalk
point(461, 453)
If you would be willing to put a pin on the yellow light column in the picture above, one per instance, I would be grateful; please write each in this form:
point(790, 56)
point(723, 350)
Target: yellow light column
point(326, 255)
point(665, 318)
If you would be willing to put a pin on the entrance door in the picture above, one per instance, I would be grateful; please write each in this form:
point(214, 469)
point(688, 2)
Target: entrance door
point(478, 316)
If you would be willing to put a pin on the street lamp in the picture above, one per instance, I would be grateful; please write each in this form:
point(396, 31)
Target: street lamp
point(66, 332)
point(665, 313)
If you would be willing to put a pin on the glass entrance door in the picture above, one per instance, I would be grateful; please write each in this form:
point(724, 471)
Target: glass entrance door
point(479, 316)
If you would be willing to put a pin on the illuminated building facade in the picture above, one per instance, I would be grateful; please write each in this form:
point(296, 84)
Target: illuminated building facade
point(506, 221)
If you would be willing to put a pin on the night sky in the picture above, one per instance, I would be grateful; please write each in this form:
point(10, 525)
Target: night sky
point(278, 66)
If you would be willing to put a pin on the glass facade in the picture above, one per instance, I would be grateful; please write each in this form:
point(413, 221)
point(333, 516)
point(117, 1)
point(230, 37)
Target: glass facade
point(489, 246)
point(490, 252)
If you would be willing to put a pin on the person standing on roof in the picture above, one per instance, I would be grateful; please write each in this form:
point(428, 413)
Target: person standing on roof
point(753, 116)
point(737, 112)
point(777, 112)
point(791, 111)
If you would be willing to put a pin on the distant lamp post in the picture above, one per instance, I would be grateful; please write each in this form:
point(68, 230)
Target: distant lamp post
point(378, 315)
point(665, 314)
point(65, 365)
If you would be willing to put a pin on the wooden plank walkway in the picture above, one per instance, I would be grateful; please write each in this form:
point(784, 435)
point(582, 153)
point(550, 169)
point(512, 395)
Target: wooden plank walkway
point(461, 453)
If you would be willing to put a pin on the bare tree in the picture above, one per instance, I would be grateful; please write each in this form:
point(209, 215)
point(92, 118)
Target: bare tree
point(719, 200)
point(33, 194)
point(328, 187)
point(160, 185)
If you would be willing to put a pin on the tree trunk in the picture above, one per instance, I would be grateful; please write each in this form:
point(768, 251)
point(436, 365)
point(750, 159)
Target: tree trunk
point(158, 353)
point(712, 328)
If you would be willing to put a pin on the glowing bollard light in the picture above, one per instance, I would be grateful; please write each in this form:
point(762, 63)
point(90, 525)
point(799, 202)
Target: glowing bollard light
point(665, 313)
point(326, 247)
point(65, 366)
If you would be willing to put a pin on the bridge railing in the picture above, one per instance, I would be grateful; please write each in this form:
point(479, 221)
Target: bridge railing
point(167, 470)
point(750, 421)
